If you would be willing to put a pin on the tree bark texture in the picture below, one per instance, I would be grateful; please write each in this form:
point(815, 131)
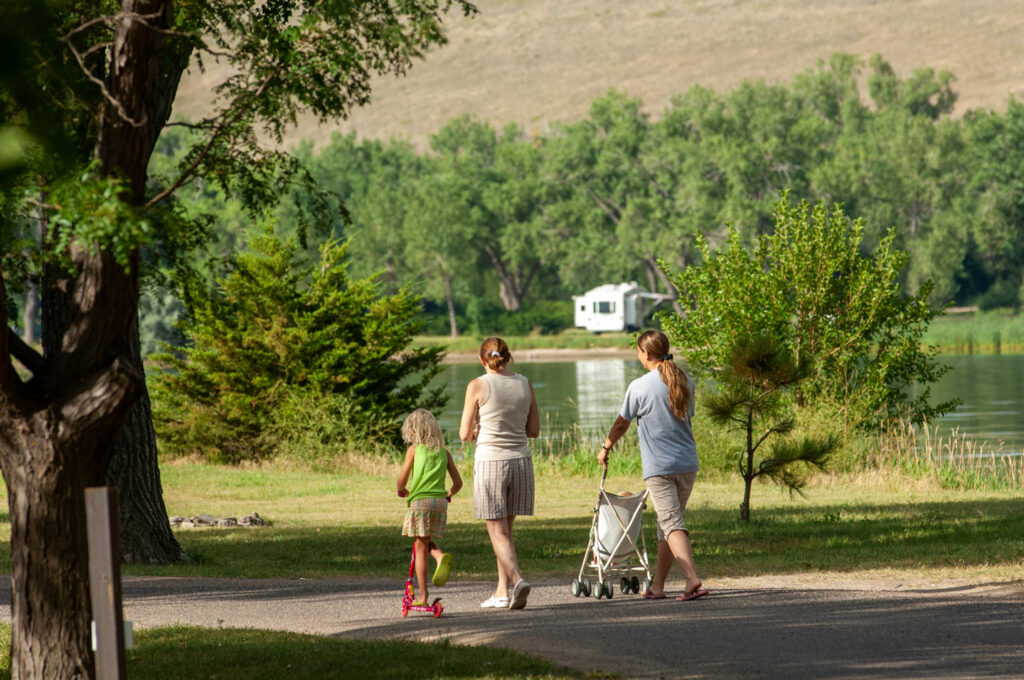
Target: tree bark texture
point(145, 71)
point(146, 536)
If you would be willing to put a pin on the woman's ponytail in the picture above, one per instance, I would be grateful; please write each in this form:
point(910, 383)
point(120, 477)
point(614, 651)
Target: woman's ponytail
point(656, 344)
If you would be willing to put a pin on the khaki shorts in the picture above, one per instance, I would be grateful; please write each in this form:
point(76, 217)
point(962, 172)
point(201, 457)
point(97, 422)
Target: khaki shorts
point(503, 488)
point(669, 494)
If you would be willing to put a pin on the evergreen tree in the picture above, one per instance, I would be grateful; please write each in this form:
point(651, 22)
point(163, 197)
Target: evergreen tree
point(751, 397)
point(277, 323)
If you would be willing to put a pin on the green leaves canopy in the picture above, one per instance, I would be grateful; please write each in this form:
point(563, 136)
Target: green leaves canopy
point(808, 285)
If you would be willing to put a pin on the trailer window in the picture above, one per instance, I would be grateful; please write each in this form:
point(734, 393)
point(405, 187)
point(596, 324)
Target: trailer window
point(604, 307)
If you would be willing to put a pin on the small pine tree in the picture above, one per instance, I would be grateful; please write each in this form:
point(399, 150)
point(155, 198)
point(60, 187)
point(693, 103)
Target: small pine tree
point(751, 397)
point(277, 325)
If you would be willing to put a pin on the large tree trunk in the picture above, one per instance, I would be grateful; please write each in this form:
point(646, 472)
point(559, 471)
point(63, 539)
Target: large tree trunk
point(45, 493)
point(146, 73)
point(512, 285)
point(146, 536)
point(55, 434)
point(450, 299)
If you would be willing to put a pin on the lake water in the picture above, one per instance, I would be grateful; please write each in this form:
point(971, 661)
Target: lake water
point(588, 393)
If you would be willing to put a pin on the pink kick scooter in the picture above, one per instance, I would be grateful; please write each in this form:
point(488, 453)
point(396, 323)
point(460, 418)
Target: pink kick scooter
point(434, 607)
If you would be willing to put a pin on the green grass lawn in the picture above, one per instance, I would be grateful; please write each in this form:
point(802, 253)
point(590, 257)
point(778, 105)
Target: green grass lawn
point(243, 654)
point(334, 525)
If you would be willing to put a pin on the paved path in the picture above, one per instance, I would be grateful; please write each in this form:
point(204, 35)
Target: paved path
point(738, 631)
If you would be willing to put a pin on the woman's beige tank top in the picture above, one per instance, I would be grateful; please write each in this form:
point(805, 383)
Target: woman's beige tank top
point(503, 414)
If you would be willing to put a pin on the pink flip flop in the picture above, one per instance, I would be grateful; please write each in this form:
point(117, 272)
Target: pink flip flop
point(692, 596)
point(650, 596)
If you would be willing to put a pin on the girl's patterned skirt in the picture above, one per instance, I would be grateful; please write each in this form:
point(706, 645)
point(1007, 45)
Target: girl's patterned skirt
point(426, 517)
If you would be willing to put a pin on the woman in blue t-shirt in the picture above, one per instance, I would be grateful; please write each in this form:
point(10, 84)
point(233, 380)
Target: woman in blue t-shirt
point(662, 404)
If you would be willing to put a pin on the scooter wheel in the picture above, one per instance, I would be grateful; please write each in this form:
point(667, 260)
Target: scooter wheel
point(405, 610)
point(437, 610)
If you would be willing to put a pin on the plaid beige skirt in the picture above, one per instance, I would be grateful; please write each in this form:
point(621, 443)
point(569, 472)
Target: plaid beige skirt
point(426, 517)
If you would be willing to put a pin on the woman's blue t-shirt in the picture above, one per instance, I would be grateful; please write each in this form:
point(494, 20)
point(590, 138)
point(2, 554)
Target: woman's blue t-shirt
point(666, 442)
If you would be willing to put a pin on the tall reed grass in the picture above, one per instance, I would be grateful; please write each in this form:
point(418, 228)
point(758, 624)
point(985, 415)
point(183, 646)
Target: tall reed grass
point(953, 461)
point(996, 331)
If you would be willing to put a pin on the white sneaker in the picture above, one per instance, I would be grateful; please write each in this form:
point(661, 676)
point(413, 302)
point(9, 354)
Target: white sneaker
point(519, 595)
point(494, 603)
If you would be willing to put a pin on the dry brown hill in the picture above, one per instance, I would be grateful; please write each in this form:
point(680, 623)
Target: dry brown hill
point(538, 61)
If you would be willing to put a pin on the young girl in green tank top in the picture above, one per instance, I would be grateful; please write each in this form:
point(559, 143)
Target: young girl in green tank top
point(427, 460)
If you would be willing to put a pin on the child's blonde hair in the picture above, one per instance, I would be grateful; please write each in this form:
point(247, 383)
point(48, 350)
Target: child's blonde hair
point(421, 427)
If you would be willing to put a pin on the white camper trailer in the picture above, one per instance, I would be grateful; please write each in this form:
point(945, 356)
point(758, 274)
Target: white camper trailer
point(613, 307)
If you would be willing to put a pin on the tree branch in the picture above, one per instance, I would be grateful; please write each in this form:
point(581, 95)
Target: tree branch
point(102, 85)
point(28, 357)
point(615, 216)
point(220, 127)
point(110, 391)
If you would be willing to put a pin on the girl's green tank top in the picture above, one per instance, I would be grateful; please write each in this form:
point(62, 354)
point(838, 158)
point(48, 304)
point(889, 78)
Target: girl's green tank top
point(428, 473)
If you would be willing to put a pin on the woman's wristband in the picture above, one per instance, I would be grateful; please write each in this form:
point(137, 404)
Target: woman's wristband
point(606, 448)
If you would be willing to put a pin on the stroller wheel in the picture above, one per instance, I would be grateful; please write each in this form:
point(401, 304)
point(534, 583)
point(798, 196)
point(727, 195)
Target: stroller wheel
point(645, 585)
point(598, 590)
point(575, 586)
point(635, 583)
point(585, 587)
point(608, 589)
point(625, 586)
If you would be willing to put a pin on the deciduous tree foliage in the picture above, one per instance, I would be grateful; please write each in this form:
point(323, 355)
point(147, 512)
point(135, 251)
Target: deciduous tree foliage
point(603, 198)
point(808, 286)
point(87, 87)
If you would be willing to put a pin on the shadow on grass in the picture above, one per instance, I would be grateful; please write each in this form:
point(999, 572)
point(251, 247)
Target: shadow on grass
point(841, 538)
point(186, 652)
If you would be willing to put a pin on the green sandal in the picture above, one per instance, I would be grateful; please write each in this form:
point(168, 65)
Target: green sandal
point(444, 567)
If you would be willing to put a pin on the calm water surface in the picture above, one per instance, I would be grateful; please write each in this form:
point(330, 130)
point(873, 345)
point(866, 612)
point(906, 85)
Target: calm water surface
point(589, 393)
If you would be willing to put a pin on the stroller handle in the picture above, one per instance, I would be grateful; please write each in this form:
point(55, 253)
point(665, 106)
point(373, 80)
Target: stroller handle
point(604, 474)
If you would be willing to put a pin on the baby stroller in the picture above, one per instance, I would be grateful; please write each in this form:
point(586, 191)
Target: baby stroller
point(613, 543)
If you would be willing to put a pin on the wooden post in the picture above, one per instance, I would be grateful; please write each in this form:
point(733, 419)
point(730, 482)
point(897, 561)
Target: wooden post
point(104, 528)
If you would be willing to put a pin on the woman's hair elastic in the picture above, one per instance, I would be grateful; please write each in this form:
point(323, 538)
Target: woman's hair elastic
point(666, 357)
point(494, 353)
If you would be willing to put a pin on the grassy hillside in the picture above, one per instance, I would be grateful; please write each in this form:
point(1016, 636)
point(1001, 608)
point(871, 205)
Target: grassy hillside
point(538, 61)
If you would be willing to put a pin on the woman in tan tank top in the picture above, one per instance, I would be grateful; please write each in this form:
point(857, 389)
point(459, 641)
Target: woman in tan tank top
point(500, 414)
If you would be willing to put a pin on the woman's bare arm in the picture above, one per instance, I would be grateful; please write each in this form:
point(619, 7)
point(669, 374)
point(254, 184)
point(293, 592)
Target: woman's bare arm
point(471, 411)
